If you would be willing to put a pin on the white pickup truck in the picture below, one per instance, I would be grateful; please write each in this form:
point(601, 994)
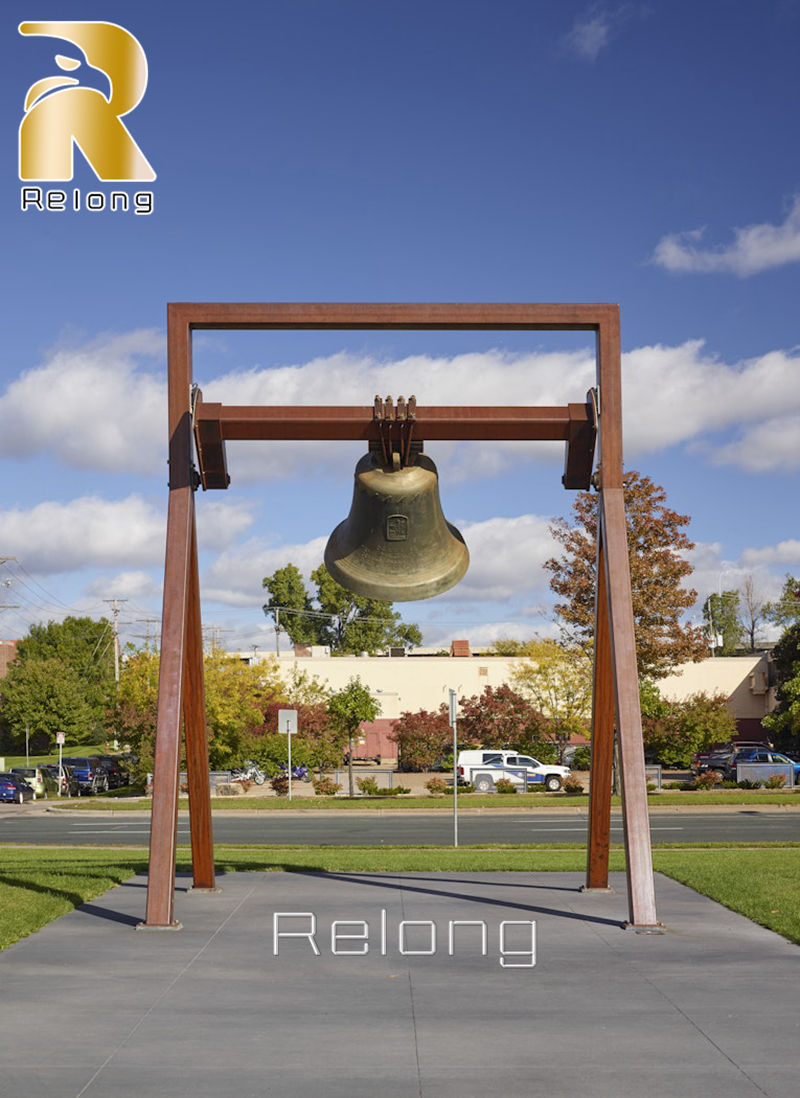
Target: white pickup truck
point(483, 767)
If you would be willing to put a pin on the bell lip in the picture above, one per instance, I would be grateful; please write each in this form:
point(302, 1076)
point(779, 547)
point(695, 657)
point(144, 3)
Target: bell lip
point(410, 591)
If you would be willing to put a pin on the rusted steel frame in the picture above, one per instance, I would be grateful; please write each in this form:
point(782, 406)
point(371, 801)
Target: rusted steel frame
point(602, 734)
point(399, 316)
point(166, 767)
point(211, 456)
point(194, 719)
point(172, 664)
point(254, 422)
point(579, 452)
point(612, 529)
point(636, 824)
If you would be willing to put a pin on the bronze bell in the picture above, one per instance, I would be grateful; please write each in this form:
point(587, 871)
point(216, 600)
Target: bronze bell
point(396, 545)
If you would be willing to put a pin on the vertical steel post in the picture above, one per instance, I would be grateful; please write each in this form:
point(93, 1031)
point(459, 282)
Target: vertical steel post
point(160, 912)
point(602, 735)
point(612, 531)
point(194, 719)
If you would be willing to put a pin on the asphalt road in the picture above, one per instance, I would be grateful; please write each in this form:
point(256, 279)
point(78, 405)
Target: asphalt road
point(345, 829)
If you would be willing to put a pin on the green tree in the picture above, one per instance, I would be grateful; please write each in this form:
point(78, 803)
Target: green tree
point(334, 616)
point(291, 607)
point(348, 708)
point(235, 695)
point(722, 615)
point(783, 723)
point(657, 545)
point(45, 695)
point(682, 728)
point(557, 678)
point(785, 610)
point(85, 649)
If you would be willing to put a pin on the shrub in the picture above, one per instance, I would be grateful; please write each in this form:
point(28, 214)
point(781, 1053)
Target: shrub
point(572, 785)
point(436, 786)
point(775, 781)
point(368, 786)
point(505, 785)
point(280, 784)
point(748, 783)
point(674, 785)
point(395, 791)
point(707, 780)
point(687, 787)
point(652, 787)
point(582, 759)
point(326, 787)
point(729, 783)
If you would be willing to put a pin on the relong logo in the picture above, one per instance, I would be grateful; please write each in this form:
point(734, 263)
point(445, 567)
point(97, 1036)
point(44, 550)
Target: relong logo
point(61, 113)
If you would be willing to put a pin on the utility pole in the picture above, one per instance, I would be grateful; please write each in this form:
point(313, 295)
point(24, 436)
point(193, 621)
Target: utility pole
point(277, 631)
point(115, 629)
point(215, 631)
point(7, 583)
point(147, 622)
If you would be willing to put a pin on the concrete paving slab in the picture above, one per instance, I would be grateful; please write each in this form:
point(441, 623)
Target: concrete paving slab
point(94, 1009)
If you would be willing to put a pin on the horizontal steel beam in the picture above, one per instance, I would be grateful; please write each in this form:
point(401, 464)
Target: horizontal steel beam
point(399, 316)
point(330, 422)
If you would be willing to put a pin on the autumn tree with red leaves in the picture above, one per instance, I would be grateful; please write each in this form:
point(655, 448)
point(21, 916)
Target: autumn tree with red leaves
point(423, 738)
point(500, 717)
point(657, 545)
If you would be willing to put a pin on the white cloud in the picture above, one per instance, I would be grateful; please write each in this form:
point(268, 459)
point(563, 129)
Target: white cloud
point(682, 394)
point(91, 407)
point(90, 532)
point(234, 578)
point(785, 553)
point(99, 409)
point(771, 444)
point(754, 248)
point(593, 31)
point(506, 557)
point(125, 585)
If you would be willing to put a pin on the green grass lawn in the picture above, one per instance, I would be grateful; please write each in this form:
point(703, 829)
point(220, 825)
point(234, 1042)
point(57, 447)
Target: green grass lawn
point(38, 884)
point(119, 799)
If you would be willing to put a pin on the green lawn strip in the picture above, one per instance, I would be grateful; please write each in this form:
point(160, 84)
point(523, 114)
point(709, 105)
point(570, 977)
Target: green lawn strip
point(39, 884)
point(762, 884)
point(550, 801)
point(36, 886)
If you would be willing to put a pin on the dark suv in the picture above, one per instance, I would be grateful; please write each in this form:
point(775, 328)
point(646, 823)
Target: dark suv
point(117, 774)
point(91, 776)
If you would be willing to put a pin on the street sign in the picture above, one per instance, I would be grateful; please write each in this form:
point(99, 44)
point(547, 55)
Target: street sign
point(287, 721)
point(60, 737)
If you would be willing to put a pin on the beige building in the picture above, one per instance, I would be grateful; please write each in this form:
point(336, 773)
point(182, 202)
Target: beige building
point(421, 681)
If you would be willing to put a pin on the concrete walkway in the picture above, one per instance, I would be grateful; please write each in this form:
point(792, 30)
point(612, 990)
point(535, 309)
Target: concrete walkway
point(91, 1007)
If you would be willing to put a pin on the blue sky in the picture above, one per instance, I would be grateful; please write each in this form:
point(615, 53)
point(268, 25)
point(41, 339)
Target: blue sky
point(644, 154)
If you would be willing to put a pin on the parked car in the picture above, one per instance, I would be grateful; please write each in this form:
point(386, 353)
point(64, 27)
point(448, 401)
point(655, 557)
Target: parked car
point(716, 760)
point(724, 751)
point(117, 774)
point(90, 775)
point(15, 789)
point(34, 777)
point(483, 767)
point(62, 776)
point(762, 756)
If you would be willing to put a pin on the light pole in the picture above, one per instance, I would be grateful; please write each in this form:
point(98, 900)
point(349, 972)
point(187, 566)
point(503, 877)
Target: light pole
point(454, 726)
